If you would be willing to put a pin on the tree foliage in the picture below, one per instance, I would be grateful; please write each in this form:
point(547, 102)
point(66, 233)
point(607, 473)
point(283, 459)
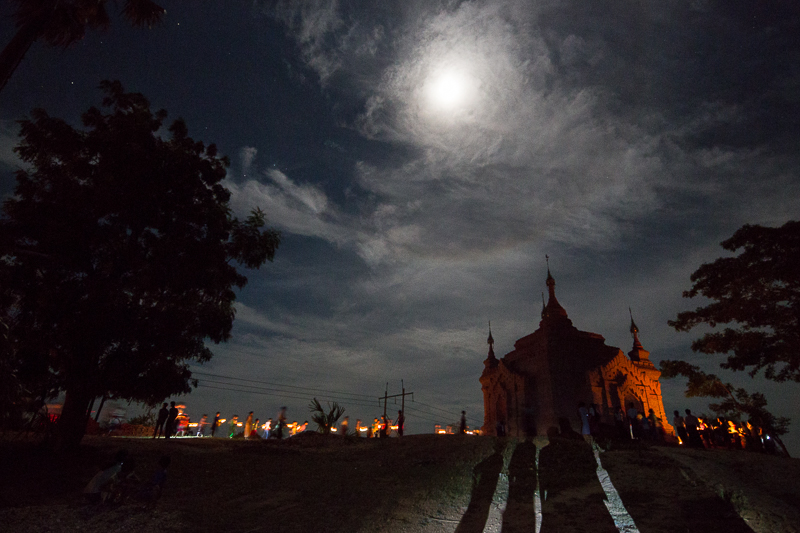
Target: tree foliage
point(64, 22)
point(736, 402)
point(757, 293)
point(121, 250)
point(325, 420)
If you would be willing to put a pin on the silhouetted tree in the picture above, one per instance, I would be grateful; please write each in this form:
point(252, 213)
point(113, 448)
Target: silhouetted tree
point(121, 252)
point(758, 293)
point(64, 22)
point(736, 402)
point(325, 420)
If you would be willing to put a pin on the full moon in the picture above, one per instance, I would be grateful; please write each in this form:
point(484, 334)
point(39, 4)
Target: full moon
point(450, 90)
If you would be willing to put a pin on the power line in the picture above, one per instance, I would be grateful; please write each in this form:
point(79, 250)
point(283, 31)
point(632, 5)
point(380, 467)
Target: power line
point(439, 409)
point(343, 396)
point(354, 399)
point(281, 395)
point(417, 412)
point(280, 384)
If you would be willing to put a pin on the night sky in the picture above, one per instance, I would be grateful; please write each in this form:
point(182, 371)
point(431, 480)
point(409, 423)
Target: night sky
point(420, 159)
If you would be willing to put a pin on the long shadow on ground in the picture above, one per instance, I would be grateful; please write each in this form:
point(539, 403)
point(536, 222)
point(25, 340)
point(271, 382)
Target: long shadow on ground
point(572, 497)
point(520, 515)
point(484, 482)
point(663, 496)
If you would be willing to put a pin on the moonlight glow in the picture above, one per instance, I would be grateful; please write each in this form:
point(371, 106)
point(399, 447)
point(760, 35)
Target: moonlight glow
point(450, 90)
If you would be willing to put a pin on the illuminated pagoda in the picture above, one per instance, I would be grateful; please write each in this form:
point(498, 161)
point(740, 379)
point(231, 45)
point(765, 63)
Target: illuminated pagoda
point(537, 386)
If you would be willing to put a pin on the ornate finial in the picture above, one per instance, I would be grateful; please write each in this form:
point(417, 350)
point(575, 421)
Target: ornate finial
point(637, 353)
point(634, 329)
point(491, 360)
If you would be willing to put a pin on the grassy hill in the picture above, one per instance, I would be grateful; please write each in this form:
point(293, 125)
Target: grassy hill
point(420, 483)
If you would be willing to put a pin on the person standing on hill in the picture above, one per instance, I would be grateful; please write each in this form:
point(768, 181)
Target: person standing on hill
point(680, 427)
point(162, 419)
point(695, 441)
point(201, 426)
point(170, 424)
point(248, 425)
point(583, 413)
point(462, 425)
point(214, 424)
point(281, 423)
point(401, 422)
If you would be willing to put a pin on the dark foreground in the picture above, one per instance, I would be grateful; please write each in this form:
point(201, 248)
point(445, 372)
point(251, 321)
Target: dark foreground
point(422, 483)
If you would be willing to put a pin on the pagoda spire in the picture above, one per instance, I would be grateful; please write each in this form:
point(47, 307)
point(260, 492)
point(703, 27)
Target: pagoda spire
point(553, 308)
point(491, 360)
point(634, 331)
point(637, 353)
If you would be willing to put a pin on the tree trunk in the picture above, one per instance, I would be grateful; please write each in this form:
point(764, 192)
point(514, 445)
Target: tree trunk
point(777, 438)
point(100, 408)
point(19, 45)
point(72, 422)
point(89, 409)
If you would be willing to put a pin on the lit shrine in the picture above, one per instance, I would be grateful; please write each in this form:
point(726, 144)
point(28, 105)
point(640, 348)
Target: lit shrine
point(537, 386)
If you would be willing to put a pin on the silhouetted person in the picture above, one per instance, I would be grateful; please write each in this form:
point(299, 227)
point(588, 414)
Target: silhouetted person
point(281, 422)
point(386, 428)
point(98, 488)
point(620, 422)
point(462, 425)
point(214, 424)
point(343, 426)
point(162, 419)
point(594, 419)
point(401, 421)
point(583, 414)
point(680, 427)
point(633, 420)
point(695, 441)
point(170, 425)
point(653, 421)
point(201, 426)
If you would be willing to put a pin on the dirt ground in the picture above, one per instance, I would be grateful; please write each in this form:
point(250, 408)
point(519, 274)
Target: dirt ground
point(421, 483)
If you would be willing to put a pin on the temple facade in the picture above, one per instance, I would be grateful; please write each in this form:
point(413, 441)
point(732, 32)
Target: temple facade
point(537, 386)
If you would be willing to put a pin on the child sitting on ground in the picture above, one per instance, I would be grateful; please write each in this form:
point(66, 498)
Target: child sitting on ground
point(98, 488)
point(151, 491)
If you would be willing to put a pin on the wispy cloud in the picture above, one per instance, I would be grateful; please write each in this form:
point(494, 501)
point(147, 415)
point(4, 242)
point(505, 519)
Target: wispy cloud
point(300, 209)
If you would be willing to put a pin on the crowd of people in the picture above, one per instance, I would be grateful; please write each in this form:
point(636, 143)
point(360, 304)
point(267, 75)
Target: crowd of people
point(697, 432)
point(172, 422)
point(692, 431)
